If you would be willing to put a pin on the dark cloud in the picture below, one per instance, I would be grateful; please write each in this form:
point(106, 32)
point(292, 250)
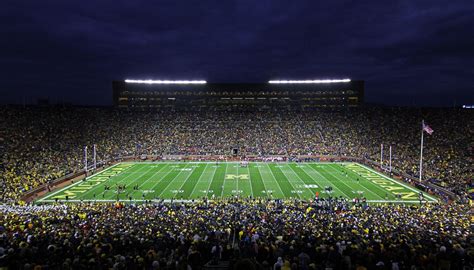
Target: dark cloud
point(409, 52)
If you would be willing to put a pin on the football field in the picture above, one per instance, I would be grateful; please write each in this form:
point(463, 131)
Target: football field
point(198, 180)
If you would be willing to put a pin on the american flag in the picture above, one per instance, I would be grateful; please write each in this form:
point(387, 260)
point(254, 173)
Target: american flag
point(428, 129)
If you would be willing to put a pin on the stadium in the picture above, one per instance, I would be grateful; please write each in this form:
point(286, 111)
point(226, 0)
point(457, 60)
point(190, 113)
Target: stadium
point(245, 168)
point(230, 135)
point(310, 167)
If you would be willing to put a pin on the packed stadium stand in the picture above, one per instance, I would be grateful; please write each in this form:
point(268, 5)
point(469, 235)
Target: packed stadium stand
point(42, 144)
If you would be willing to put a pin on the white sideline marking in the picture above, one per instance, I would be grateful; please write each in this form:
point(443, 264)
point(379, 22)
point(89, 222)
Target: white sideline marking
point(198, 200)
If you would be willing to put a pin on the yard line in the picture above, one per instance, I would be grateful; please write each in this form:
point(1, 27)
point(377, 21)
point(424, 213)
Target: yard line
point(210, 182)
point(171, 181)
point(192, 172)
point(338, 183)
point(235, 182)
point(343, 182)
point(187, 179)
point(276, 183)
point(288, 168)
point(327, 180)
point(197, 181)
point(123, 179)
point(151, 177)
point(258, 176)
point(273, 175)
point(169, 172)
point(223, 184)
point(313, 180)
point(217, 181)
point(250, 180)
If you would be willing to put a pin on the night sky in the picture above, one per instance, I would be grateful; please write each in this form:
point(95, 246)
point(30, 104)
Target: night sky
point(408, 52)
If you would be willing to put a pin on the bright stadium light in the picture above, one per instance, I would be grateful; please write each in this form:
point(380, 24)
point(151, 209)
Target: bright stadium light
point(167, 81)
point(309, 81)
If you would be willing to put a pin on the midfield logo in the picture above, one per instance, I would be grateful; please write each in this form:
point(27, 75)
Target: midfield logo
point(237, 177)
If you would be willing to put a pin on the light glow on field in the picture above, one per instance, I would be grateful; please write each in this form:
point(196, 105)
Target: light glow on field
point(309, 81)
point(166, 81)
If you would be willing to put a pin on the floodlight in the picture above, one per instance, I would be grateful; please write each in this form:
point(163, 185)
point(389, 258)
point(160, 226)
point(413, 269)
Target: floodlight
point(309, 81)
point(166, 81)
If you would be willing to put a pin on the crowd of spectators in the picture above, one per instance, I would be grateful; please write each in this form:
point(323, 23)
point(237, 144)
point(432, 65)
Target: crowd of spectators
point(42, 144)
point(38, 145)
point(248, 234)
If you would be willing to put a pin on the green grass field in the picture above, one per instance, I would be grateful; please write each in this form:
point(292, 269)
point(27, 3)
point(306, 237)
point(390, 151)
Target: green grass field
point(196, 180)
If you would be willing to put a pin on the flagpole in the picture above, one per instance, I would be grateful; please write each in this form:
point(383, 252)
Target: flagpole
point(421, 149)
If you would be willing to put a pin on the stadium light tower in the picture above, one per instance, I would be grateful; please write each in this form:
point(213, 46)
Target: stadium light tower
point(166, 81)
point(309, 81)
